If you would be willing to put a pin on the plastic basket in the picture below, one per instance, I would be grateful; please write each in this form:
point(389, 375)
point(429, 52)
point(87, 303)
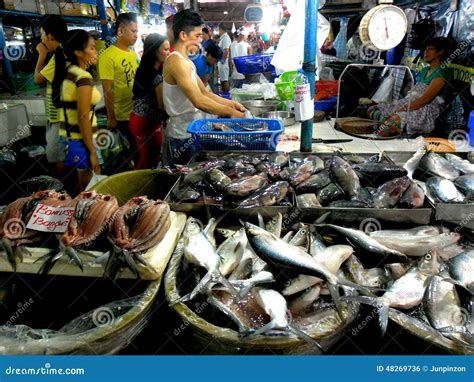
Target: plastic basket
point(285, 85)
point(205, 138)
point(255, 63)
point(325, 105)
point(330, 87)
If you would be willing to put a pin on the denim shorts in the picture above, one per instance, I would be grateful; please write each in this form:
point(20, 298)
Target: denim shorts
point(77, 155)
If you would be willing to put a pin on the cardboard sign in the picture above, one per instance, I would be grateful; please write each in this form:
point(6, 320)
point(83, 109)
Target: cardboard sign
point(50, 219)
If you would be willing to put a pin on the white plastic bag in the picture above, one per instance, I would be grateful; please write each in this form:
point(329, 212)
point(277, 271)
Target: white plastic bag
point(384, 92)
point(94, 180)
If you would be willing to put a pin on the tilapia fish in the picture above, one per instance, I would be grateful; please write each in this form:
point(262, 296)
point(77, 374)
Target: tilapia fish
point(92, 216)
point(379, 173)
point(444, 190)
point(413, 197)
point(389, 194)
point(218, 179)
point(329, 193)
point(246, 186)
point(345, 176)
point(314, 182)
point(138, 225)
point(268, 196)
point(13, 222)
point(301, 173)
point(435, 164)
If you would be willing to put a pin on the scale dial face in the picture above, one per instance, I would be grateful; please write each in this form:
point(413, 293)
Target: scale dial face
point(384, 27)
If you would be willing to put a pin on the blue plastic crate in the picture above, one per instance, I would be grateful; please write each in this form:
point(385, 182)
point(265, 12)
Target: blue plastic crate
point(326, 104)
point(205, 138)
point(255, 63)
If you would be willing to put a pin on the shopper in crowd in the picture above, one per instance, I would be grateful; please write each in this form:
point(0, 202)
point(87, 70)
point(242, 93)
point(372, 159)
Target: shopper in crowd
point(169, 30)
point(205, 63)
point(53, 31)
point(184, 93)
point(223, 67)
point(207, 40)
point(75, 96)
point(147, 119)
point(117, 67)
point(418, 111)
point(240, 47)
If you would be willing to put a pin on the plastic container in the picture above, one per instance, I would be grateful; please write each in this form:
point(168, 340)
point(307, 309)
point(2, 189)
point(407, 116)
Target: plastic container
point(304, 109)
point(325, 105)
point(225, 95)
point(255, 63)
point(470, 125)
point(285, 85)
point(205, 137)
point(329, 87)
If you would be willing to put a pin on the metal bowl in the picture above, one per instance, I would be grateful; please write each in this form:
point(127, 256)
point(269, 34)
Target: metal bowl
point(257, 108)
point(287, 118)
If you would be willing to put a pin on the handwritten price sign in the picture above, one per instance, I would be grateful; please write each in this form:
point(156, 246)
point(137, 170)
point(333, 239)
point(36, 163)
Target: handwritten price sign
point(50, 219)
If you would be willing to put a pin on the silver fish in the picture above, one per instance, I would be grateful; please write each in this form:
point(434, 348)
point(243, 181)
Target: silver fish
point(435, 164)
point(231, 252)
point(466, 184)
point(444, 190)
point(305, 300)
point(343, 173)
point(413, 197)
point(461, 269)
point(462, 165)
point(274, 225)
point(308, 201)
point(388, 194)
point(420, 231)
point(412, 164)
point(245, 286)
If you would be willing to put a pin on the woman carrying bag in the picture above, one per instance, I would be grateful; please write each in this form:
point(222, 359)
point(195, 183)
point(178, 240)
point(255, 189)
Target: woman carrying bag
point(75, 95)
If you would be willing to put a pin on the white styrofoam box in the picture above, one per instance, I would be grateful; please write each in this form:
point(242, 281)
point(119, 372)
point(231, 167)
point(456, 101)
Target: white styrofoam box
point(13, 124)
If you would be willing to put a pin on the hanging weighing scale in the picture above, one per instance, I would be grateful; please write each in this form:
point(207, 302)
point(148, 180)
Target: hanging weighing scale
point(383, 27)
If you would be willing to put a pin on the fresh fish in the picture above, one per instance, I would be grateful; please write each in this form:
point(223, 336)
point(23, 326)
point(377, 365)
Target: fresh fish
point(301, 236)
point(413, 197)
point(279, 158)
point(268, 168)
point(462, 165)
point(364, 197)
point(218, 179)
point(307, 201)
point(354, 158)
point(443, 308)
point(420, 245)
point(378, 173)
point(420, 231)
point(389, 194)
point(288, 236)
point(345, 176)
point(40, 183)
point(396, 270)
point(301, 173)
point(373, 277)
point(466, 184)
point(231, 252)
point(435, 164)
point(245, 286)
point(379, 252)
point(444, 190)
point(406, 292)
point(210, 228)
point(199, 250)
point(316, 246)
point(274, 304)
point(314, 182)
point(268, 196)
point(246, 265)
point(412, 164)
point(199, 174)
point(305, 300)
point(461, 269)
point(185, 195)
point(275, 224)
point(329, 193)
point(246, 186)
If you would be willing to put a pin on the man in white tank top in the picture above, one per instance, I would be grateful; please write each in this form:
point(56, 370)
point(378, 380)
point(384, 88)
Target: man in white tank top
point(184, 94)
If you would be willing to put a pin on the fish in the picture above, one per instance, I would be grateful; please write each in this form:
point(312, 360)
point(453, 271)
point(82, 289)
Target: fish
point(307, 298)
point(241, 171)
point(379, 252)
point(435, 164)
point(316, 246)
point(444, 190)
point(201, 171)
point(41, 183)
point(323, 148)
point(187, 194)
point(314, 182)
point(268, 196)
point(345, 176)
point(378, 173)
point(274, 225)
point(354, 158)
point(412, 164)
point(406, 292)
point(461, 269)
point(373, 277)
point(420, 245)
point(301, 236)
point(329, 193)
point(443, 308)
point(396, 270)
point(461, 165)
point(413, 197)
point(388, 194)
point(249, 263)
point(279, 158)
point(307, 201)
point(466, 184)
point(218, 179)
point(262, 277)
point(301, 173)
point(415, 232)
point(231, 252)
point(246, 186)
point(199, 250)
point(274, 304)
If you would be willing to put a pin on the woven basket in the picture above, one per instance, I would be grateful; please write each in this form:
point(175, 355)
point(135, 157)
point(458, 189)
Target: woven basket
point(357, 126)
point(440, 145)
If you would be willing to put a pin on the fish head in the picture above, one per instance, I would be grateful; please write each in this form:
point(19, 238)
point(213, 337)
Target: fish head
point(252, 230)
point(193, 227)
point(430, 264)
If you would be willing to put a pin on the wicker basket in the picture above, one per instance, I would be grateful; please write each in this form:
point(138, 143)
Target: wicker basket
point(357, 126)
point(440, 145)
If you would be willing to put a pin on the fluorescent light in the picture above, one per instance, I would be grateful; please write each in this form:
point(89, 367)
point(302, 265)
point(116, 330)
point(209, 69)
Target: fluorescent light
point(226, 13)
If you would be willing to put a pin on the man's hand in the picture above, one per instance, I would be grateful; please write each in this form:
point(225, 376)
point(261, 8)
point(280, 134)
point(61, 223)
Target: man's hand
point(238, 106)
point(42, 49)
point(237, 114)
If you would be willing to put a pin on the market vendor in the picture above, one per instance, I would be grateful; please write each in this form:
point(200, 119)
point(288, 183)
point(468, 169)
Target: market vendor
point(418, 111)
point(184, 94)
point(205, 63)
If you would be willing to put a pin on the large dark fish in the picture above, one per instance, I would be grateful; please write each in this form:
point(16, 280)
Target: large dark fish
point(40, 183)
point(389, 194)
point(268, 196)
point(345, 176)
point(329, 193)
point(413, 197)
point(314, 183)
point(246, 186)
point(379, 173)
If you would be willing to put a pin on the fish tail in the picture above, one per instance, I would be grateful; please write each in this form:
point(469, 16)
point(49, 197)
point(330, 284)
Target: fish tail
point(367, 290)
point(198, 289)
point(261, 223)
point(72, 254)
point(260, 331)
point(305, 337)
point(383, 318)
point(333, 290)
point(381, 308)
point(218, 278)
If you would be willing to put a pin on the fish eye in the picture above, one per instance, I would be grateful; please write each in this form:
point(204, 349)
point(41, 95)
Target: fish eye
point(242, 229)
point(303, 231)
point(427, 256)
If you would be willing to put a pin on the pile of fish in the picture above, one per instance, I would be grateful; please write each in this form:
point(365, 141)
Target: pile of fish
point(447, 178)
point(236, 180)
point(267, 282)
point(352, 181)
point(132, 229)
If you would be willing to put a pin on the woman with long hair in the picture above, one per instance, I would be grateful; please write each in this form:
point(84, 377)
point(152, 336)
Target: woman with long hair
point(75, 96)
point(147, 118)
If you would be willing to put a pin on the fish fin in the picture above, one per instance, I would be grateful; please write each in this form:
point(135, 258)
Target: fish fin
point(369, 291)
point(383, 318)
point(130, 263)
point(454, 329)
point(72, 254)
point(305, 337)
point(260, 331)
point(362, 300)
point(333, 290)
point(261, 222)
point(198, 289)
